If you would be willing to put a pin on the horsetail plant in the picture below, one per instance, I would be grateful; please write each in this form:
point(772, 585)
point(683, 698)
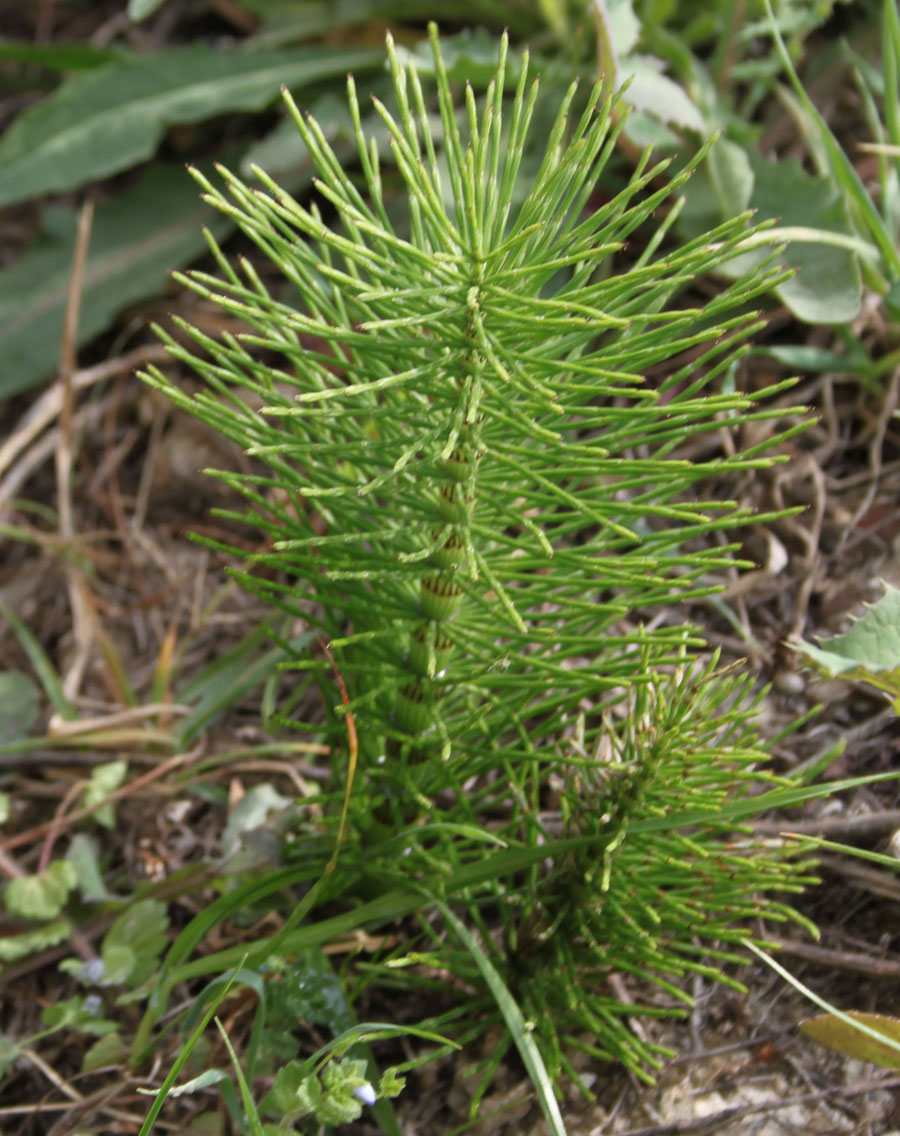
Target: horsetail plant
point(463, 398)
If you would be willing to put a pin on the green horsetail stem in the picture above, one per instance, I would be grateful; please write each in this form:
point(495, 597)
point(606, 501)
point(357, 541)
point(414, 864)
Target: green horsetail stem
point(469, 392)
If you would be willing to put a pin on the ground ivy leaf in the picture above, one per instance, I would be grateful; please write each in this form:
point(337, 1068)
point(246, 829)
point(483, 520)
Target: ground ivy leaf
point(391, 1084)
point(43, 895)
point(81, 1012)
point(135, 939)
point(118, 963)
point(13, 947)
point(105, 779)
point(250, 813)
point(84, 856)
point(108, 1050)
point(18, 705)
point(308, 1097)
point(285, 1087)
point(9, 1051)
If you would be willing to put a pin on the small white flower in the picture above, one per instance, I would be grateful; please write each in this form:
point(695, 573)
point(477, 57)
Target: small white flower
point(93, 1004)
point(365, 1094)
point(92, 970)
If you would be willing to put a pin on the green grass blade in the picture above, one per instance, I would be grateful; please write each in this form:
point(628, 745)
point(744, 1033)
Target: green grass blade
point(528, 1050)
point(180, 1062)
point(253, 1121)
point(43, 668)
point(883, 1039)
point(841, 166)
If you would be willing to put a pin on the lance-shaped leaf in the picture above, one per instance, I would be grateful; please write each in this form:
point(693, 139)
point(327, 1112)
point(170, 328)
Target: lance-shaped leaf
point(135, 240)
point(109, 118)
point(843, 1036)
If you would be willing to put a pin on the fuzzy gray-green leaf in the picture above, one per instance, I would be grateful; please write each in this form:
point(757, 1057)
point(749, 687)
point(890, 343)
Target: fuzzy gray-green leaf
point(136, 239)
point(112, 117)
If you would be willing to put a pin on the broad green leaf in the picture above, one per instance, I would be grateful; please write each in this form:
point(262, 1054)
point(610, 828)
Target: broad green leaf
point(870, 650)
point(136, 239)
point(18, 705)
point(105, 779)
point(278, 152)
point(43, 895)
point(286, 1087)
point(826, 286)
point(250, 813)
point(657, 95)
point(112, 117)
point(470, 56)
point(13, 947)
point(731, 175)
point(9, 1052)
point(107, 1050)
point(84, 856)
point(310, 991)
point(841, 1036)
point(283, 156)
point(5, 807)
point(134, 942)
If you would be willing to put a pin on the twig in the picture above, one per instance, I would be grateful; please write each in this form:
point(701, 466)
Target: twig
point(50, 1073)
point(48, 407)
point(67, 365)
point(866, 825)
point(352, 754)
point(79, 602)
point(886, 415)
point(60, 728)
point(874, 880)
point(838, 960)
point(71, 794)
